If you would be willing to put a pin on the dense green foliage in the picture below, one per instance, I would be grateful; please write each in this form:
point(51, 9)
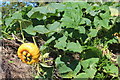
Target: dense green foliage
point(70, 28)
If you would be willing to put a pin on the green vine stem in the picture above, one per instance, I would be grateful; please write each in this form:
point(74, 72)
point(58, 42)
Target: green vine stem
point(22, 32)
point(34, 40)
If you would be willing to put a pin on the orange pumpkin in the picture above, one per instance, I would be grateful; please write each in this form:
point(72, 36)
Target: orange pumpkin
point(28, 53)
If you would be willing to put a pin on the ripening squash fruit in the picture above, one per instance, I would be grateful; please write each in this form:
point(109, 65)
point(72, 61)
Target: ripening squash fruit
point(28, 53)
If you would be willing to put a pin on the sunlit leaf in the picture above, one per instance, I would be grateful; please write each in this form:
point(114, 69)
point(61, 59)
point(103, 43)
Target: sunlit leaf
point(62, 67)
point(93, 33)
point(61, 43)
point(104, 23)
point(17, 15)
point(30, 30)
point(75, 47)
point(54, 26)
point(41, 29)
point(8, 21)
point(89, 63)
point(115, 11)
point(81, 29)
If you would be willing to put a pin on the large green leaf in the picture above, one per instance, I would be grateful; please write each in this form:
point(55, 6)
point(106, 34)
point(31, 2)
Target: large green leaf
point(31, 12)
point(83, 4)
point(59, 6)
point(72, 16)
point(93, 33)
point(89, 73)
point(93, 10)
point(85, 21)
point(41, 29)
point(50, 8)
point(93, 13)
point(111, 69)
point(81, 29)
point(104, 23)
point(42, 10)
point(89, 68)
point(67, 70)
point(17, 15)
point(30, 30)
point(89, 63)
point(96, 21)
point(8, 21)
point(61, 66)
point(75, 47)
point(105, 15)
point(61, 43)
point(54, 27)
point(37, 15)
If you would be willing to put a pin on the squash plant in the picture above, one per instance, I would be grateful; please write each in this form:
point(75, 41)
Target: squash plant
point(69, 28)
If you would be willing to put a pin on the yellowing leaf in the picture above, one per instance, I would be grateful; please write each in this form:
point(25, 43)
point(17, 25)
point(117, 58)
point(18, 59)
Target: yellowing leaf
point(115, 11)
